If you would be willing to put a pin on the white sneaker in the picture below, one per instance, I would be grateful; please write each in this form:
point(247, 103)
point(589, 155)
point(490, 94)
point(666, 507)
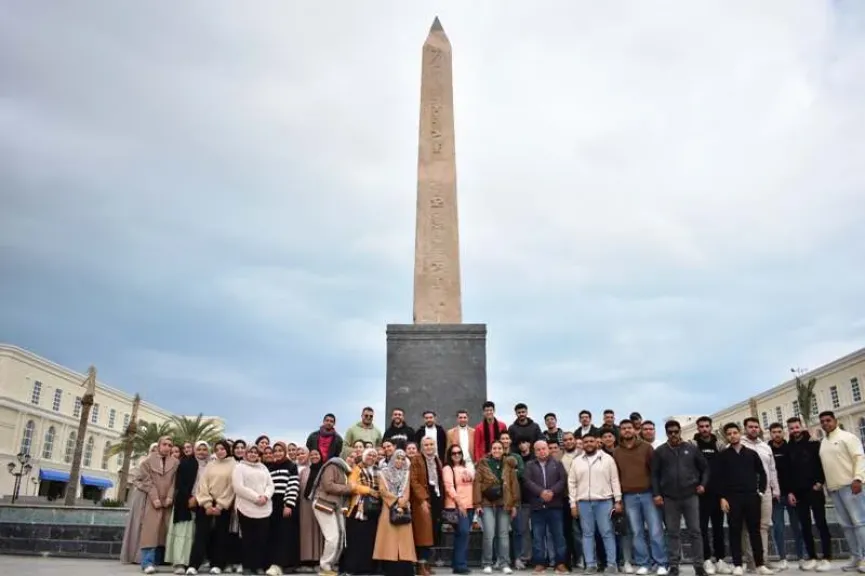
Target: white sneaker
point(519, 564)
point(662, 571)
point(629, 569)
point(215, 570)
point(179, 570)
point(238, 569)
point(807, 565)
point(274, 570)
point(781, 565)
point(150, 570)
point(860, 566)
point(738, 571)
point(488, 570)
point(722, 567)
point(191, 571)
point(823, 566)
point(642, 571)
point(764, 570)
point(709, 567)
point(507, 569)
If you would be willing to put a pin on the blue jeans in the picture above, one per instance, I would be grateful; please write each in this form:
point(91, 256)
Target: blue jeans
point(595, 515)
point(850, 510)
point(148, 557)
point(496, 523)
point(778, 526)
point(642, 513)
point(544, 521)
point(461, 541)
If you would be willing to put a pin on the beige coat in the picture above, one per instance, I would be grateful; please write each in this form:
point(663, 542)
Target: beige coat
point(393, 543)
point(156, 479)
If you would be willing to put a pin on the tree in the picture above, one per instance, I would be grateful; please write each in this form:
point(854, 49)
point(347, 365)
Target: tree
point(187, 429)
point(142, 437)
point(806, 398)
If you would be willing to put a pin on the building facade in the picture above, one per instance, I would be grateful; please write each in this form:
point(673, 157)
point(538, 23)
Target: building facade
point(839, 388)
point(40, 409)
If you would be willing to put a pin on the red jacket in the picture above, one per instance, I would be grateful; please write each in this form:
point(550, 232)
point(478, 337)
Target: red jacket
point(480, 449)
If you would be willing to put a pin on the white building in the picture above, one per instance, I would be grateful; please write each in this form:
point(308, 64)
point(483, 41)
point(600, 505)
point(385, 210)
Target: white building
point(40, 408)
point(839, 388)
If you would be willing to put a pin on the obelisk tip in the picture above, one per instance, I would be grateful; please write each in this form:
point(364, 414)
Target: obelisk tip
point(436, 26)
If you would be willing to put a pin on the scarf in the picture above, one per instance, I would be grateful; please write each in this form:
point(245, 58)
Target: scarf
point(313, 470)
point(326, 433)
point(432, 472)
point(496, 467)
point(201, 465)
point(491, 434)
point(396, 478)
point(369, 478)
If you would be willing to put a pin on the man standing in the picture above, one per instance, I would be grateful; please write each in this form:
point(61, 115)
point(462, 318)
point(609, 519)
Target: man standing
point(488, 431)
point(594, 492)
point(431, 429)
point(752, 440)
point(399, 432)
point(710, 503)
point(365, 431)
point(325, 439)
point(524, 429)
point(463, 436)
point(634, 459)
point(586, 427)
point(573, 536)
point(553, 434)
point(806, 493)
point(679, 475)
point(781, 455)
point(742, 483)
point(844, 465)
point(545, 482)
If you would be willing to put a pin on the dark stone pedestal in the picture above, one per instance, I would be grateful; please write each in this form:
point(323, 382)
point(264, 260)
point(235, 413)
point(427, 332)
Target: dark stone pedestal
point(440, 367)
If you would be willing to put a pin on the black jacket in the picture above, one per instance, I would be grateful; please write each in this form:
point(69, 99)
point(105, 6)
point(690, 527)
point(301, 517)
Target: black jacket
point(441, 439)
point(187, 472)
point(335, 448)
point(535, 482)
point(710, 449)
point(805, 466)
point(554, 437)
point(742, 473)
point(528, 432)
point(677, 471)
point(399, 435)
point(781, 455)
point(593, 431)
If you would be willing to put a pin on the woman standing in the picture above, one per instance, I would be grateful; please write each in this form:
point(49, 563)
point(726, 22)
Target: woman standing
point(496, 497)
point(253, 488)
point(458, 484)
point(130, 551)
point(235, 546)
point(283, 548)
point(215, 497)
point(394, 543)
point(425, 475)
point(311, 540)
point(361, 520)
point(329, 493)
point(182, 528)
point(156, 477)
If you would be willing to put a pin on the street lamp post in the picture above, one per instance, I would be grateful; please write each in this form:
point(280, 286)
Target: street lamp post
point(23, 468)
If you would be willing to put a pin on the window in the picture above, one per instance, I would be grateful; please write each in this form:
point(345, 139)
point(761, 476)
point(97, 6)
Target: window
point(48, 446)
point(105, 455)
point(70, 448)
point(119, 460)
point(88, 453)
point(94, 414)
point(58, 397)
point(27, 436)
point(76, 412)
point(37, 393)
point(856, 393)
point(833, 394)
point(112, 415)
point(765, 417)
point(814, 409)
point(796, 408)
point(779, 415)
point(862, 430)
point(125, 422)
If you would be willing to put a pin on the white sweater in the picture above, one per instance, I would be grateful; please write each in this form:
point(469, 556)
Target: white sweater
point(843, 459)
point(594, 477)
point(763, 450)
point(251, 481)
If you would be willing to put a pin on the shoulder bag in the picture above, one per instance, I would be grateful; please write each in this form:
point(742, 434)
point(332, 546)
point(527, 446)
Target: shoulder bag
point(451, 515)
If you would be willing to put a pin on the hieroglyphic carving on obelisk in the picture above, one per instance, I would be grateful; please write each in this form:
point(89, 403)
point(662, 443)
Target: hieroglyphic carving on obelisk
point(437, 298)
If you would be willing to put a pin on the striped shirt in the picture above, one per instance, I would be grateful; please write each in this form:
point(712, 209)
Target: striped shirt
point(286, 482)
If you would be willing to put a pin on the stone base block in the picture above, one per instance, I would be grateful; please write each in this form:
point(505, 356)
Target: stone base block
point(440, 367)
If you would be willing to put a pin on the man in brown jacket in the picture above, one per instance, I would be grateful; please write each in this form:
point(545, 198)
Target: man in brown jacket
point(328, 504)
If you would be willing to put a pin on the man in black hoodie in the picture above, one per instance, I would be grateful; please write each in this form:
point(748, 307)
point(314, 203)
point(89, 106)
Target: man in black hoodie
point(399, 433)
point(805, 485)
point(781, 455)
point(524, 429)
point(710, 503)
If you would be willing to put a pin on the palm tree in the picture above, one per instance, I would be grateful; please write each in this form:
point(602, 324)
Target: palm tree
point(187, 429)
point(146, 434)
point(806, 398)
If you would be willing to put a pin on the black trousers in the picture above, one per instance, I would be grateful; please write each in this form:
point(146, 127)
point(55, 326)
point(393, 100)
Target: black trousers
point(283, 537)
point(808, 502)
point(568, 532)
point(710, 511)
point(211, 539)
point(745, 514)
point(253, 540)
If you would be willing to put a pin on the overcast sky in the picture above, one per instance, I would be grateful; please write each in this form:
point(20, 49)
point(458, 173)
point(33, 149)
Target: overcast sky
point(661, 202)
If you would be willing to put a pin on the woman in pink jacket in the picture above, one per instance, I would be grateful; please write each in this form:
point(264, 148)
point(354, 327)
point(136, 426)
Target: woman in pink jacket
point(458, 495)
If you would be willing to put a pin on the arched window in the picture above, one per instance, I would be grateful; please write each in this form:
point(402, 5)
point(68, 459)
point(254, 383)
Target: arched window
point(88, 453)
point(105, 454)
point(27, 436)
point(70, 447)
point(48, 446)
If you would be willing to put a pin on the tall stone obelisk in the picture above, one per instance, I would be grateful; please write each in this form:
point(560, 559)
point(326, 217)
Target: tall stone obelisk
point(437, 363)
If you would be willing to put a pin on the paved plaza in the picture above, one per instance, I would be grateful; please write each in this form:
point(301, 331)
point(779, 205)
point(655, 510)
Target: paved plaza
point(43, 566)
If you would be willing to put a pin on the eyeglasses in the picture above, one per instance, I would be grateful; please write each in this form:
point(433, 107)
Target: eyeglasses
point(457, 453)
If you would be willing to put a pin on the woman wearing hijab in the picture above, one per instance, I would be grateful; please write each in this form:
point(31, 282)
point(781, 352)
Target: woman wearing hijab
point(496, 497)
point(329, 494)
point(425, 474)
point(215, 497)
point(394, 544)
point(181, 531)
point(156, 477)
point(283, 548)
point(253, 489)
point(311, 539)
point(130, 551)
point(235, 546)
point(361, 519)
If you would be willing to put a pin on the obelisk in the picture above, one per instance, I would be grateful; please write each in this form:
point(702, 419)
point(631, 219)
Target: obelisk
point(437, 363)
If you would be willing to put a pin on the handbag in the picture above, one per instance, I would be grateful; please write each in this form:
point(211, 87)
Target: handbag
point(451, 515)
point(371, 506)
point(400, 516)
point(493, 493)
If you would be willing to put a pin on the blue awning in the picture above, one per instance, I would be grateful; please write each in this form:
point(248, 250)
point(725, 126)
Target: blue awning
point(53, 475)
point(96, 481)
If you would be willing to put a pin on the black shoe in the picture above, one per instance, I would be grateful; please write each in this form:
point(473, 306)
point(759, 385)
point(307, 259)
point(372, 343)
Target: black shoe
point(673, 571)
point(700, 571)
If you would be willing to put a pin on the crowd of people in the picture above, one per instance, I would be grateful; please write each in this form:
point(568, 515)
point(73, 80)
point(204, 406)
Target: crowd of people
point(600, 498)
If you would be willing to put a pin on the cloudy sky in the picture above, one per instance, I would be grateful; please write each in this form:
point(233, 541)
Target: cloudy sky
point(661, 202)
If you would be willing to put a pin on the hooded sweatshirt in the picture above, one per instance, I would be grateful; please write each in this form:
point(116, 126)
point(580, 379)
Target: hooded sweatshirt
point(359, 432)
point(399, 435)
point(710, 449)
point(526, 432)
